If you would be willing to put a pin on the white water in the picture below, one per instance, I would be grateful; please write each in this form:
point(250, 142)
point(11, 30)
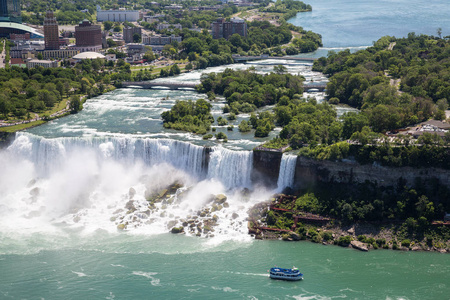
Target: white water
point(287, 172)
point(49, 186)
point(233, 168)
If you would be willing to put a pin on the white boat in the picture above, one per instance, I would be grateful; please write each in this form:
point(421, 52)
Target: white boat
point(286, 274)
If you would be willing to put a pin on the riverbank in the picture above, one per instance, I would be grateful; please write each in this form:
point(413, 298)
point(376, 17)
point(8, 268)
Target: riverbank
point(362, 236)
point(55, 113)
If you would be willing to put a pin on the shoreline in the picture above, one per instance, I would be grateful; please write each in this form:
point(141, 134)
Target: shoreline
point(360, 236)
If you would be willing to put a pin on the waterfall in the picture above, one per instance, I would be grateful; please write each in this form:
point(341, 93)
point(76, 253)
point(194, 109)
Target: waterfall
point(49, 154)
point(232, 168)
point(287, 172)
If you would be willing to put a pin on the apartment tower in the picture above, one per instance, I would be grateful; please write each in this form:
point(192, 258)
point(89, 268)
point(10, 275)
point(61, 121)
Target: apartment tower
point(51, 36)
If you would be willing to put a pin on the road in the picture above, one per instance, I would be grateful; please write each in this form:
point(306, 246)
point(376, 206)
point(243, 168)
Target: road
point(3, 56)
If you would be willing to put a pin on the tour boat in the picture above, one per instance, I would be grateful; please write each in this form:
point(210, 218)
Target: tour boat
point(286, 274)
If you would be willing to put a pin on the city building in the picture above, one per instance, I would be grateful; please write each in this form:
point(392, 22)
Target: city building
point(11, 20)
point(154, 18)
point(17, 62)
point(223, 29)
point(88, 37)
point(51, 33)
point(10, 11)
point(160, 40)
point(129, 32)
point(59, 54)
point(162, 26)
point(32, 63)
point(133, 49)
point(88, 55)
point(117, 15)
point(174, 7)
point(19, 37)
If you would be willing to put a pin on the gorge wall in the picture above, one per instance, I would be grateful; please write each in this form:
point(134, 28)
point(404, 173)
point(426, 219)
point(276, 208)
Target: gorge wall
point(266, 167)
point(309, 172)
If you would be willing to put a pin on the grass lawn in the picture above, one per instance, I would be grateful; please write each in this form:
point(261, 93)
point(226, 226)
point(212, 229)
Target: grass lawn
point(58, 107)
point(21, 126)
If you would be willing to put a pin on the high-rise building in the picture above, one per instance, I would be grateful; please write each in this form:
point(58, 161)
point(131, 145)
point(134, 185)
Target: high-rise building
point(129, 32)
point(10, 11)
point(224, 29)
point(51, 37)
point(88, 37)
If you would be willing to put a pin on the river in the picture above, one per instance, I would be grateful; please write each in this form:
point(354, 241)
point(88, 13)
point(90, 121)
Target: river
point(66, 185)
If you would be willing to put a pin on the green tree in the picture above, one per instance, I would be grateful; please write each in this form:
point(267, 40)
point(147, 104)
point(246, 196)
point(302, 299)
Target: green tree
point(75, 104)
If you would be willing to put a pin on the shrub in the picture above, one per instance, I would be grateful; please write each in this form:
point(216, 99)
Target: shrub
point(327, 236)
point(333, 100)
point(406, 243)
point(381, 242)
point(244, 126)
point(221, 121)
point(344, 241)
point(221, 136)
point(232, 116)
point(207, 136)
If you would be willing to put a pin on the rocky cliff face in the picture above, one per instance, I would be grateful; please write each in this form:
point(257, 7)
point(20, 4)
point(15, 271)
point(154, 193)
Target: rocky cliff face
point(309, 171)
point(6, 139)
point(266, 166)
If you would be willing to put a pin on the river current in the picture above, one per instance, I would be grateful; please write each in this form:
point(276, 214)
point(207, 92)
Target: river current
point(66, 185)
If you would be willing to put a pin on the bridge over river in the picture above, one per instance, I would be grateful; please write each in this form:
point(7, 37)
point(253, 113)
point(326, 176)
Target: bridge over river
point(296, 58)
point(191, 85)
point(167, 84)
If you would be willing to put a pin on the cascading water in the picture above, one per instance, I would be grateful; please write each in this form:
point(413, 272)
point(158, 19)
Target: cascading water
point(107, 183)
point(48, 154)
point(232, 168)
point(287, 172)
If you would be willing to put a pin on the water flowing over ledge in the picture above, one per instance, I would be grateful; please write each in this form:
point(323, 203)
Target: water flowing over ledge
point(287, 172)
point(231, 168)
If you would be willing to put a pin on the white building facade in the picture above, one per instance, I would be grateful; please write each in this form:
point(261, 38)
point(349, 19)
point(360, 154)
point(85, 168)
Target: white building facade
point(117, 15)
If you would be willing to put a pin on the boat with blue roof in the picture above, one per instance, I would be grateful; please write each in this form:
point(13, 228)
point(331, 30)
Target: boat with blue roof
point(286, 274)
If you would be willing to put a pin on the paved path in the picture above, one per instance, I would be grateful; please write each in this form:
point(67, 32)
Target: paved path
point(3, 56)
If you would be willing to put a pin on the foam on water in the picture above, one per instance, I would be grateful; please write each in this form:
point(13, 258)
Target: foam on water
point(54, 188)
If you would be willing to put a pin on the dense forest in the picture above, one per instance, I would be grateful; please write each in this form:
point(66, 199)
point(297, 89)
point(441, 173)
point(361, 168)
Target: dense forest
point(24, 92)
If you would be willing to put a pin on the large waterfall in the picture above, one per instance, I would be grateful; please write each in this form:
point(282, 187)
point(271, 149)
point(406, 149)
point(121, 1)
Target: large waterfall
point(287, 172)
point(231, 168)
point(105, 183)
point(49, 154)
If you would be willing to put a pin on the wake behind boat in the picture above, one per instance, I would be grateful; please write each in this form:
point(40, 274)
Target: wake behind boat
point(286, 274)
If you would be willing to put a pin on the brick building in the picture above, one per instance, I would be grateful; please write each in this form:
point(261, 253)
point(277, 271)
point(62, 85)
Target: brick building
point(88, 37)
point(51, 34)
point(223, 29)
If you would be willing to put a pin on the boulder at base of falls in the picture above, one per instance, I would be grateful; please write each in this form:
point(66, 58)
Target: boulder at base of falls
point(359, 245)
point(220, 199)
point(121, 226)
point(291, 236)
point(177, 229)
point(172, 223)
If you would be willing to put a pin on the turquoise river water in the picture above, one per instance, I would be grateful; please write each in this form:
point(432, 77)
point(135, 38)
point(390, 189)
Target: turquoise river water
point(66, 186)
